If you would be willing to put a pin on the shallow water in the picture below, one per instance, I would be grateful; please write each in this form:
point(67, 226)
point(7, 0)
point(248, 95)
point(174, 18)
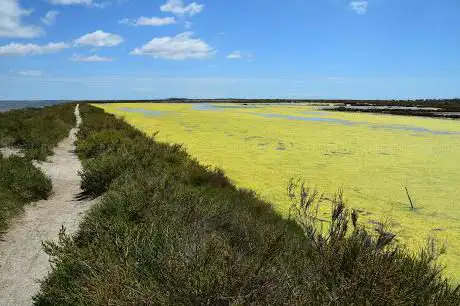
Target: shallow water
point(389, 107)
point(146, 112)
point(371, 157)
point(404, 127)
point(317, 119)
point(7, 105)
point(210, 106)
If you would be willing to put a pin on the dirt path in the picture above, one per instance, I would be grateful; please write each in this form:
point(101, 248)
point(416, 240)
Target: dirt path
point(7, 152)
point(22, 260)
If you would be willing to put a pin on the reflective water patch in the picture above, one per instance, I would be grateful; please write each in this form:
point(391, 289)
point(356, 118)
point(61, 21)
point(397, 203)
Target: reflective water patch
point(409, 128)
point(317, 119)
point(147, 112)
point(209, 106)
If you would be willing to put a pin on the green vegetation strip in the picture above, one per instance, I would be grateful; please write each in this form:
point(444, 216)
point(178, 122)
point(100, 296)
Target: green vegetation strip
point(35, 132)
point(171, 232)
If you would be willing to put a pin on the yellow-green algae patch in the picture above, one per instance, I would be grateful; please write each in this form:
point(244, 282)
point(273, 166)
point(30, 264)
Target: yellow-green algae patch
point(371, 157)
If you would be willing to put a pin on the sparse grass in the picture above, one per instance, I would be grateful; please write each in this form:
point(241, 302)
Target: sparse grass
point(35, 132)
point(171, 232)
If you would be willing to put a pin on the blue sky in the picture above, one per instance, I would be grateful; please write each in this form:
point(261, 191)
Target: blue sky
point(135, 49)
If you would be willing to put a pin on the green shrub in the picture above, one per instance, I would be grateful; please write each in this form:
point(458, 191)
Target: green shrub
point(101, 142)
point(24, 179)
point(11, 205)
point(36, 130)
point(20, 183)
point(99, 173)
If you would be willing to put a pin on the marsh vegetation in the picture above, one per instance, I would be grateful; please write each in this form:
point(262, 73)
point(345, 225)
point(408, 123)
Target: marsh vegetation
point(373, 158)
point(170, 231)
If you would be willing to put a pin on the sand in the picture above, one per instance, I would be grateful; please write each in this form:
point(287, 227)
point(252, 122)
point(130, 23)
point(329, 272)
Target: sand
point(7, 152)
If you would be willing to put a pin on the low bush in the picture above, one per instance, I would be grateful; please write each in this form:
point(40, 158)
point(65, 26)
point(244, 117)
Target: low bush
point(169, 231)
point(36, 131)
point(11, 205)
point(24, 179)
point(20, 183)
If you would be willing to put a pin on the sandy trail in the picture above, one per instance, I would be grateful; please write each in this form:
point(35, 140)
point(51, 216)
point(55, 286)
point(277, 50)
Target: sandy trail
point(22, 260)
point(7, 152)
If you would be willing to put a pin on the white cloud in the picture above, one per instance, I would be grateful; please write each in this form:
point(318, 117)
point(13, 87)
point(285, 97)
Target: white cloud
point(31, 73)
point(11, 25)
point(88, 3)
point(15, 49)
point(359, 7)
point(179, 47)
point(101, 4)
point(99, 39)
point(148, 21)
point(50, 17)
point(91, 58)
point(177, 7)
point(235, 55)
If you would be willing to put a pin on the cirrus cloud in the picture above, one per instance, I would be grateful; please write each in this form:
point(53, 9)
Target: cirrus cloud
point(15, 49)
point(30, 73)
point(235, 55)
point(50, 17)
point(71, 2)
point(148, 21)
point(177, 7)
point(99, 39)
point(180, 47)
point(90, 58)
point(87, 3)
point(359, 7)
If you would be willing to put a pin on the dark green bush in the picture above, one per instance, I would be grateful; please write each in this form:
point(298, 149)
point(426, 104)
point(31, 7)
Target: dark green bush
point(24, 179)
point(99, 173)
point(101, 142)
point(11, 205)
point(20, 183)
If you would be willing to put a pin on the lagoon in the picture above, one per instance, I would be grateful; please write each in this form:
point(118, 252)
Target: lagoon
point(372, 157)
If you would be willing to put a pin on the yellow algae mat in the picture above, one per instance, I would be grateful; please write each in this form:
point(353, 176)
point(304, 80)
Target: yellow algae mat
point(372, 157)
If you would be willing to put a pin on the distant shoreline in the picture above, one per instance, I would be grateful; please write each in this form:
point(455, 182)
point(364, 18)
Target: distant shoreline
point(439, 108)
point(6, 105)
